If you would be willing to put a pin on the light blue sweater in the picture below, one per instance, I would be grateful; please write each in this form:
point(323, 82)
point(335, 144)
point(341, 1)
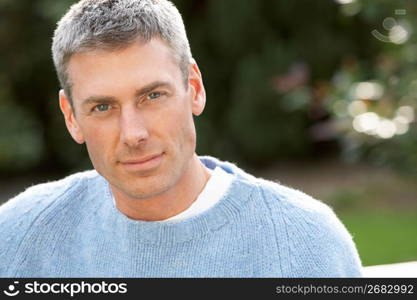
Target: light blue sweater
point(71, 228)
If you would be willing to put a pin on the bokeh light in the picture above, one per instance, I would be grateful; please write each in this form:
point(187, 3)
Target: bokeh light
point(369, 90)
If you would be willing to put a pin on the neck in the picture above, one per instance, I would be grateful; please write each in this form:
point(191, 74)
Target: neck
point(170, 203)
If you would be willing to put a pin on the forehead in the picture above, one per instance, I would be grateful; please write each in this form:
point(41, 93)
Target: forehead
point(106, 72)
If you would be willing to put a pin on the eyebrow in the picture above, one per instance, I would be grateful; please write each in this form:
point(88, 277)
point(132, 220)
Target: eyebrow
point(150, 87)
point(140, 92)
point(98, 99)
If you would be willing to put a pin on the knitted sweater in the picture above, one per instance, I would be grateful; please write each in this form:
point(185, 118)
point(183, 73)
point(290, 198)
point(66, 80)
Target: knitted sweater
point(71, 228)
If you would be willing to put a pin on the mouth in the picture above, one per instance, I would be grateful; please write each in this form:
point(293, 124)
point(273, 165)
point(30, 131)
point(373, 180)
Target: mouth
point(143, 163)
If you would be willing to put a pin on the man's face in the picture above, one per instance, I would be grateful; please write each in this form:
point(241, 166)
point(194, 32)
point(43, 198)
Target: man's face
point(135, 115)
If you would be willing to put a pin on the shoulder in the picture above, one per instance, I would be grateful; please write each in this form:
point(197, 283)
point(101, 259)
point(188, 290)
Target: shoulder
point(293, 207)
point(312, 233)
point(38, 197)
point(19, 214)
point(281, 197)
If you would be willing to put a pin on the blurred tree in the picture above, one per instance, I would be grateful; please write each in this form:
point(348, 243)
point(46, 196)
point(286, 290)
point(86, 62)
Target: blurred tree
point(374, 101)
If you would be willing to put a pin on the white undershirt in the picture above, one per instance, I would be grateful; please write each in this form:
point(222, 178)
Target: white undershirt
point(214, 190)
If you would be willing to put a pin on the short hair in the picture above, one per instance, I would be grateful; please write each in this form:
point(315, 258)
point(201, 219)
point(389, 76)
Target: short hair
point(116, 24)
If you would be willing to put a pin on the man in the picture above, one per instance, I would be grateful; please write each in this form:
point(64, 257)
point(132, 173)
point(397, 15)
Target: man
point(152, 207)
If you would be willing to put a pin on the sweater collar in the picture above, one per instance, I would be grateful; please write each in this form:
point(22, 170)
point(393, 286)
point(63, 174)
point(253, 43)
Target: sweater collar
point(176, 231)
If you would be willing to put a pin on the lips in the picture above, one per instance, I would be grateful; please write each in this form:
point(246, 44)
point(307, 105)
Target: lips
point(145, 163)
point(140, 160)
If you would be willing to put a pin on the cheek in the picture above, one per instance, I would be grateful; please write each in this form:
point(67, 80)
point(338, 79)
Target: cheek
point(188, 134)
point(99, 143)
point(178, 128)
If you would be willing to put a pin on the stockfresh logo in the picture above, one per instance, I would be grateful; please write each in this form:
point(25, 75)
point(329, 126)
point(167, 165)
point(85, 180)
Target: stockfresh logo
point(12, 290)
point(398, 31)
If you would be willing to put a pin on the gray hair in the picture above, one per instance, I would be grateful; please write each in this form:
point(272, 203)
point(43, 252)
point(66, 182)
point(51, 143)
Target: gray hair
point(116, 24)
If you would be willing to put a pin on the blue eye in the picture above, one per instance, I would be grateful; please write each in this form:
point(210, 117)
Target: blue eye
point(101, 107)
point(154, 95)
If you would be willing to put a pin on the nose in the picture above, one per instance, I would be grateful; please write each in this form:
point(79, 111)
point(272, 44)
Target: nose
point(133, 130)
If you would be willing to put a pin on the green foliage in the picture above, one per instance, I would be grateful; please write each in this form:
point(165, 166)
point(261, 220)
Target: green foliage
point(21, 142)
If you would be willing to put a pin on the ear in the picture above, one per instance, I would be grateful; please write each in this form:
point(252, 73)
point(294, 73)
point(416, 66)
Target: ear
point(195, 81)
point(68, 111)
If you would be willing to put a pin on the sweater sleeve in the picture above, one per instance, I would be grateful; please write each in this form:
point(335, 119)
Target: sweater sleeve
point(16, 218)
point(19, 215)
point(312, 240)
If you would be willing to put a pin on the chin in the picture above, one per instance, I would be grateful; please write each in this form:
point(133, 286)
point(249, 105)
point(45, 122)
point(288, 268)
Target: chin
point(151, 186)
point(146, 192)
